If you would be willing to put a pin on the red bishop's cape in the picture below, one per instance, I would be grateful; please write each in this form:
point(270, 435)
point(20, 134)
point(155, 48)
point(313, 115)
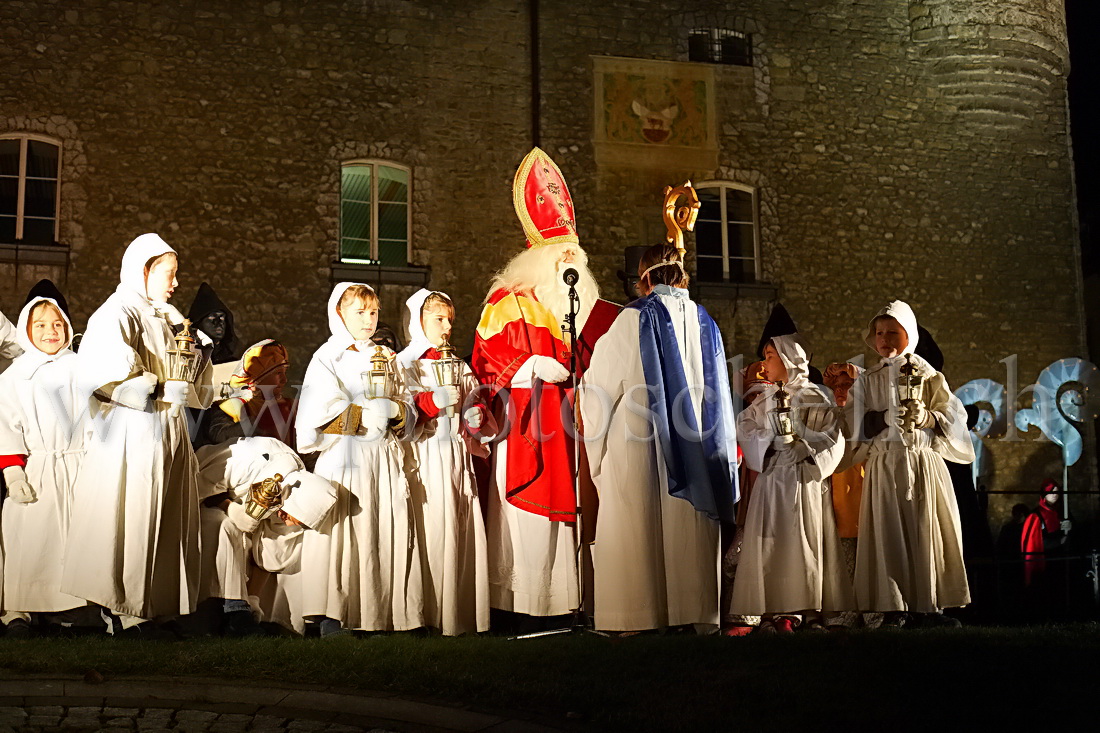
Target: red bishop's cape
point(514, 327)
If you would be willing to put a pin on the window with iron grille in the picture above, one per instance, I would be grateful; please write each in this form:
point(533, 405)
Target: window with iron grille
point(375, 213)
point(30, 195)
point(720, 46)
point(727, 233)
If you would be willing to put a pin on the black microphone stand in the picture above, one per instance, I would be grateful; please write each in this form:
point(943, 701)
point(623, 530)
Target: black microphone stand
point(578, 622)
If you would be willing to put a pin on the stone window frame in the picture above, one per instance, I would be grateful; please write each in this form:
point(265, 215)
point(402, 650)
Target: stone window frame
point(24, 138)
point(375, 163)
point(757, 258)
point(715, 34)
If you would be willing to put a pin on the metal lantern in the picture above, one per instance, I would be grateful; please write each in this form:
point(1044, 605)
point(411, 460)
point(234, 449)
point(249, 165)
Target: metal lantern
point(782, 417)
point(448, 370)
point(379, 380)
point(264, 497)
point(183, 360)
point(910, 385)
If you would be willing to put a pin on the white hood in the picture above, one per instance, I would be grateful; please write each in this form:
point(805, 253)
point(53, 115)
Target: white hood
point(792, 351)
point(900, 311)
point(309, 499)
point(341, 337)
point(418, 341)
point(32, 358)
point(140, 251)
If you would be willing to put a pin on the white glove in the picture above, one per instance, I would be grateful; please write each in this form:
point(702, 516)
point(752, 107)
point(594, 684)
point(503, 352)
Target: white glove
point(377, 413)
point(473, 417)
point(444, 397)
point(782, 442)
point(176, 392)
point(240, 519)
point(1065, 525)
point(915, 414)
point(135, 392)
point(19, 489)
point(549, 370)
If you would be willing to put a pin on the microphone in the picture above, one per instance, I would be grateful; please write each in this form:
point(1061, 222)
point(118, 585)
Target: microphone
point(570, 276)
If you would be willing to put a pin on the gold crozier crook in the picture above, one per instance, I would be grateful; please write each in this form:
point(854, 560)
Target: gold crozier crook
point(682, 219)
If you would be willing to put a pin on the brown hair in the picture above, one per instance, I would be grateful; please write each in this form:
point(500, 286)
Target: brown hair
point(46, 304)
point(438, 300)
point(670, 274)
point(357, 293)
point(153, 262)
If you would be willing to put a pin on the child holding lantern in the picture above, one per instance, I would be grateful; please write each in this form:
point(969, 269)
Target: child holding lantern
point(450, 430)
point(909, 558)
point(361, 571)
point(133, 541)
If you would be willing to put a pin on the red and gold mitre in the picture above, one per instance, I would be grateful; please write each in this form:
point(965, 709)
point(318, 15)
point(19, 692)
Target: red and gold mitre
point(543, 203)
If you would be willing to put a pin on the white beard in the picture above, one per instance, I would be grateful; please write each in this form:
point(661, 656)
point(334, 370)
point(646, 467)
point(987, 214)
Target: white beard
point(554, 294)
point(538, 271)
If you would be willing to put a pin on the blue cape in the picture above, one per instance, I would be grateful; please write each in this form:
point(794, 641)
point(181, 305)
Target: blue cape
point(704, 472)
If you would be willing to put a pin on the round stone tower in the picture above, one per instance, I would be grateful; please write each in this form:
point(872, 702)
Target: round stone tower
point(999, 62)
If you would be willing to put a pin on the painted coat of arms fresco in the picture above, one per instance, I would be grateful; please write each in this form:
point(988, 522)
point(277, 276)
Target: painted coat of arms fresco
point(655, 113)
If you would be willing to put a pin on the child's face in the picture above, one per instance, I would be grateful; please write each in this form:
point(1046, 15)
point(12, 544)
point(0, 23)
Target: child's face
point(436, 321)
point(890, 338)
point(773, 365)
point(360, 319)
point(160, 283)
point(47, 329)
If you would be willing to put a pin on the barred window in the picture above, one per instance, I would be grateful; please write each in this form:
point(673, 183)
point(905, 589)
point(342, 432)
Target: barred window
point(727, 233)
point(720, 46)
point(375, 213)
point(30, 195)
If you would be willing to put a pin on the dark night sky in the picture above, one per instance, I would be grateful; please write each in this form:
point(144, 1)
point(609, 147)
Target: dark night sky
point(1084, 103)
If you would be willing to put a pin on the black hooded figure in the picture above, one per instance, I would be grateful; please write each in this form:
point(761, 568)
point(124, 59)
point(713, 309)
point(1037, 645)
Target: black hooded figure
point(212, 316)
point(977, 539)
point(780, 323)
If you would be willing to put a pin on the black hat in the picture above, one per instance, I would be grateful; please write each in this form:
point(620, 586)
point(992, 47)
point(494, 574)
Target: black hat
point(779, 323)
point(46, 289)
point(928, 349)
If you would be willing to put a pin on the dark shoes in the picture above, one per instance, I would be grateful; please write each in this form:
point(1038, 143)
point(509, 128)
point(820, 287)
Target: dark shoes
point(240, 625)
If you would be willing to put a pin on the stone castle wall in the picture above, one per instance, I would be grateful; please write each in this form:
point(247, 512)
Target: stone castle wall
point(913, 149)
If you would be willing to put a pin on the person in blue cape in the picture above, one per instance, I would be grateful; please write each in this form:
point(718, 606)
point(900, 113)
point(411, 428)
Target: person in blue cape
point(662, 448)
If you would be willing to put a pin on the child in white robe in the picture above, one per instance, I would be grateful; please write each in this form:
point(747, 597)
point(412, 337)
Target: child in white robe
point(240, 551)
point(909, 557)
point(791, 563)
point(449, 523)
point(133, 542)
point(362, 570)
point(41, 446)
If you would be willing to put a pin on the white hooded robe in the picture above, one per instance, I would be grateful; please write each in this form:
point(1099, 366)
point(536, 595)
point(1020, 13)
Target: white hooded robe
point(133, 542)
point(791, 558)
point(227, 552)
point(450, 527)
point(42, 418)
point(909, 555)
point(363, 566)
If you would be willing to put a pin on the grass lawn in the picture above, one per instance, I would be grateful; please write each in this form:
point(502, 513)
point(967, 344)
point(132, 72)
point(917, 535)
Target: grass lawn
point(1037, 678)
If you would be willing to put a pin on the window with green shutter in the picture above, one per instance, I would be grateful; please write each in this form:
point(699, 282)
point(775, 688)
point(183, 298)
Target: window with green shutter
point(375, 213)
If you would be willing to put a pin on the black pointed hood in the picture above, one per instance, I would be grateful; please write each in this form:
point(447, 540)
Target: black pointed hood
point(46, 289)
point(207, 302)
point(928, 349)
point(779, 323)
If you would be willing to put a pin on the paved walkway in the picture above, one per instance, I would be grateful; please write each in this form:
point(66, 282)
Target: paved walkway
point(52, 703)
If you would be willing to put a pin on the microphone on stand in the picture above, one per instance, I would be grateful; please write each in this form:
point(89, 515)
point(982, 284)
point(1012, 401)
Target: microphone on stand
point(570, 276)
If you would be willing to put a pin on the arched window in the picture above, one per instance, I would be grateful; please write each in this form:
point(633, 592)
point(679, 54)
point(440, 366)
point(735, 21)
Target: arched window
point(30, 191)
point(727, 233)
point(375, 213)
